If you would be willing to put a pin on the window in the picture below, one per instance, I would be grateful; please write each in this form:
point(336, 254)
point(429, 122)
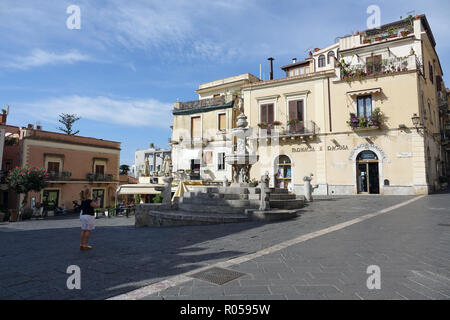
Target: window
point(322, 61)
point(373, 64)
point(307, 70)
point(221, 161)
point(53, 167)
point(222, 122)
point(296, 112)
point(267, 113)
point(330, 56)
point(99, 169)
point(430, 67)
point(196, 127)
point(364, 106)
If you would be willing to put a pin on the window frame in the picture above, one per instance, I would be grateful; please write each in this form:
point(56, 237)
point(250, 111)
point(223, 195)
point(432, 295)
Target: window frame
point(365, 115)
point(320, 59)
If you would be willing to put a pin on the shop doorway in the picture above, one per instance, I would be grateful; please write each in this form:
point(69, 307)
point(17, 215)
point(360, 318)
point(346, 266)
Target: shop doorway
point(367, 173)
point(283, 173)
point(50, 199)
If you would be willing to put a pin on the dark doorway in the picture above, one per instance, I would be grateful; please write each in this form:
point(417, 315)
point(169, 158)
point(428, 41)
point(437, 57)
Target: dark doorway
point(367, 173)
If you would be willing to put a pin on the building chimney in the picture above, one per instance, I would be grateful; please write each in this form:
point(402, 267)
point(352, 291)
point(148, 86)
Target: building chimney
point(30, 126)
point(294, 60)
point(38, 125)
point(271, 67)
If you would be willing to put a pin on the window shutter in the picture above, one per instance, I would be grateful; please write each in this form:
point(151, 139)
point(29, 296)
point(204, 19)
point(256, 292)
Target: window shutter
point(264, 113)
point(270, 117)
point(292, 110)
point(300, 116)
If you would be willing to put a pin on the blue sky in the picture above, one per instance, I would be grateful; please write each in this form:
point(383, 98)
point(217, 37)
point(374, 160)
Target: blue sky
point(122, 71)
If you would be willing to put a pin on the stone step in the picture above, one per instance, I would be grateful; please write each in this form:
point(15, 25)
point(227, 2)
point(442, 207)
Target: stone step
point(278, 191)
point(282, 196)
point(216, 202)
point(211, 209)
point(184, 218)
point(286, 204)
point(216, 196)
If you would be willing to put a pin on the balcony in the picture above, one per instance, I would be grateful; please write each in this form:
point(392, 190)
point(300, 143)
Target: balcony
point(59, 176)
point(292, 130)
point(99, 177)
point(384, 67)
point(373, 122)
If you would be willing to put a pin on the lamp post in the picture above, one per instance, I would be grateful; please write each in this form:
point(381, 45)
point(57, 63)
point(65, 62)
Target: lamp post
point(415, 120)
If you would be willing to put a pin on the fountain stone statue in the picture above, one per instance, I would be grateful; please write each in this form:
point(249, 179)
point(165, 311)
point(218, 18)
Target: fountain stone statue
point(308, 188)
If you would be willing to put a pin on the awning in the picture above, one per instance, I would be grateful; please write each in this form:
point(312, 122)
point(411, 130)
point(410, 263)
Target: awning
point(364, 92)
point(179, 112)
point(137, 189)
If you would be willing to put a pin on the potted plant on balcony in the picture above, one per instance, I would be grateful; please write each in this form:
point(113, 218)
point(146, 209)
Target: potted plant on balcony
point(392, 32)
point(263, 125)
point(292, 124)
point(354, 121)
point(363, 122)
point(375, 118)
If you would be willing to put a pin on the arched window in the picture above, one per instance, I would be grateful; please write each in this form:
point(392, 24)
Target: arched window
point(321, 61)
point(330, 57)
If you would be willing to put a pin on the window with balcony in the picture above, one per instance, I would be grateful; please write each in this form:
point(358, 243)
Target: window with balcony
point(364, 106)
point(99, 169)
point(267, 113)
point(374, 64)
point(296, 116)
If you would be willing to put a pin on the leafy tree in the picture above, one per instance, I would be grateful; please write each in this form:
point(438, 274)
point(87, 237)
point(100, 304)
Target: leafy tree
point(24, 180)
point(124, 169)
point(68, 120)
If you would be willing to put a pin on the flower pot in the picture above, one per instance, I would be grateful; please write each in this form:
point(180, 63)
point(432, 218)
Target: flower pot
point(392, 36)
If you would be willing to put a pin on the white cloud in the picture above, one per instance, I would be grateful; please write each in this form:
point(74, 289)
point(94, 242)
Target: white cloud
point(128, 112)
point(40, 57)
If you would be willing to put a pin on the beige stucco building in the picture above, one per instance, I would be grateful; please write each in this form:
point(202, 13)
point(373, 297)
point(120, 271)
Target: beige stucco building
point(367, 114)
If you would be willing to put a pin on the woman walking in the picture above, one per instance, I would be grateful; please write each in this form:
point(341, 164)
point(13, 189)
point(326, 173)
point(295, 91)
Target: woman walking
point(87, 218)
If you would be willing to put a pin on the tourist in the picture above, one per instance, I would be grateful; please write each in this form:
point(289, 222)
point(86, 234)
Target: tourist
point(87, 218)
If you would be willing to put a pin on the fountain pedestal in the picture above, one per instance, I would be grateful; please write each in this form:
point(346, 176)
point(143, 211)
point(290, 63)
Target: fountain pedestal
point(240, 160)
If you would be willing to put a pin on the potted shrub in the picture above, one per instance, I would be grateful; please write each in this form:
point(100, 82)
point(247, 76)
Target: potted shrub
point(354, 121)
point(404, 33)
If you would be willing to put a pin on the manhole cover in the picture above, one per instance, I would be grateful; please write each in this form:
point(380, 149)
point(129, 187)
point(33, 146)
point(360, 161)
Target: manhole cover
point(217, 275)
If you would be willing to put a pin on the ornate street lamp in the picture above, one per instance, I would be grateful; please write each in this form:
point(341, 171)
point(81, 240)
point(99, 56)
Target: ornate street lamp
point(415, 120)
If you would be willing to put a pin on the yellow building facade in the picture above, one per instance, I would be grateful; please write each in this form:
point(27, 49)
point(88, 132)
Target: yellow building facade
point(364, 116)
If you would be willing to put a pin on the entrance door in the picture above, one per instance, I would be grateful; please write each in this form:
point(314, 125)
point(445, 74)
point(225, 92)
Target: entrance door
point(367, 175)
point(195, 169)
point(50, 199)
point(101, 194)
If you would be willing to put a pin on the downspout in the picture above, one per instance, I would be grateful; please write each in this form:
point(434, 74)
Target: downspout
point(329, 104)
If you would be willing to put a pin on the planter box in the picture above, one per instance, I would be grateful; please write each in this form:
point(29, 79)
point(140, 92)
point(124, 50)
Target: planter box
point(367, 128)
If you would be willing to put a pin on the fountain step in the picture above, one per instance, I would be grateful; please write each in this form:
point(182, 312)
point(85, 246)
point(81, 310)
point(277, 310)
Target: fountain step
point(272, 215)
point(215, 196)
point(215, 202)
point(184, 218)
point(212, 209)
point(282, 196)
point(286, 204)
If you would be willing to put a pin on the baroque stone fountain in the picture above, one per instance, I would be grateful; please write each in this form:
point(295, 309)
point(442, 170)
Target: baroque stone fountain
point(240, 159)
